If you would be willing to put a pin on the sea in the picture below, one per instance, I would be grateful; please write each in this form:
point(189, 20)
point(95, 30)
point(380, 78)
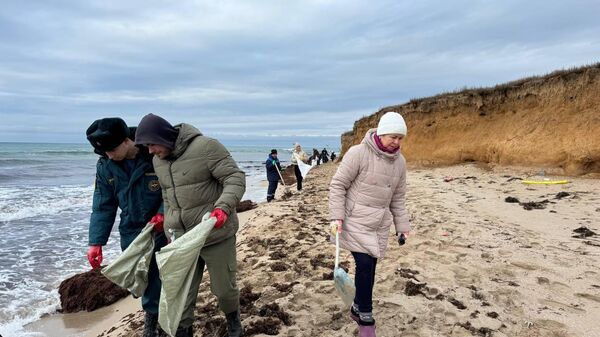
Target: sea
point(45, 205)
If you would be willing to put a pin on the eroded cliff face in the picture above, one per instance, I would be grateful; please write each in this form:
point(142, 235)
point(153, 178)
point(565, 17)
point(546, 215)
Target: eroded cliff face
point(550, 122)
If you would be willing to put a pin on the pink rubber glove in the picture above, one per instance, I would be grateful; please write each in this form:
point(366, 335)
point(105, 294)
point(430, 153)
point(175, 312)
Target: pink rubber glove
point(94, 256)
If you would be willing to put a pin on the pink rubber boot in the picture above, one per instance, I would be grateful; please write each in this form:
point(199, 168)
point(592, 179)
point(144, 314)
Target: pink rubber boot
point(366, 330)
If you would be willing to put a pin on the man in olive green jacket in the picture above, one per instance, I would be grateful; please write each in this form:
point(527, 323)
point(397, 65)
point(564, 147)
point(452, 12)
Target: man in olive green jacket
point(198, 175)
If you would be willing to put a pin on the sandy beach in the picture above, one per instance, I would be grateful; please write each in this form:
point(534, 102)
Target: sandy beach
point(474, 265)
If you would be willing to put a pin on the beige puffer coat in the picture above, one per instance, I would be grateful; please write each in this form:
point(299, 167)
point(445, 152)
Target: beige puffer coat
point(301, 154)
point(368, 193)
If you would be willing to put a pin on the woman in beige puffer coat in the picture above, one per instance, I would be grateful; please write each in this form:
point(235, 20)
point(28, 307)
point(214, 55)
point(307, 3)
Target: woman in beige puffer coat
point(367, 196)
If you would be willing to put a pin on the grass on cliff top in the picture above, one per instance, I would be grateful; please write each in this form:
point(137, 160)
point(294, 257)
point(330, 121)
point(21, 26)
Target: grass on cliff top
point(509, 85)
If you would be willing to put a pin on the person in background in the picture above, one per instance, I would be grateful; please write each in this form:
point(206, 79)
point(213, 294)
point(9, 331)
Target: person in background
point(198, 175)
point(273, 174)
point(333, 156)
point(125, 179)
point(366, 196)
point(315, 157)
point(324, 156)
point(298, 154)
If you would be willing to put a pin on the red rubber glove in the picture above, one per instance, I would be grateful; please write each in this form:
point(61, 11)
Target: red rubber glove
point(221, 217)
point(158, 222)
point(94, 256)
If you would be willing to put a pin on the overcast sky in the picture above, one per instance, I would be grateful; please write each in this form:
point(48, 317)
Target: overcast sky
point(235, 68)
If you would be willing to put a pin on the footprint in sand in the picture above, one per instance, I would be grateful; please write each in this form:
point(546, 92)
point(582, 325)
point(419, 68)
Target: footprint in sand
point(427, 243)
point(559, 287)
point(561, 306)
point(450, 317)
point(438, 257)
point(505, 252)
point(589, 297)
point(503, 271)
point(459, 257)
point(464, 276)
point(550, 325)
point(506, 297)
point(524, 265)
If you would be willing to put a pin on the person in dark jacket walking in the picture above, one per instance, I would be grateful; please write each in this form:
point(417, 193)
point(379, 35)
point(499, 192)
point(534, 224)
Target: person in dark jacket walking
point(324, 156)
point(125, 179)
point(273, 172)
point(316, 157)
point(198, 175)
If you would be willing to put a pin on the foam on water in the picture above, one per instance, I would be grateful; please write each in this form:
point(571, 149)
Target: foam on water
point(22, 203)
point(34, 301)
point(37, 262)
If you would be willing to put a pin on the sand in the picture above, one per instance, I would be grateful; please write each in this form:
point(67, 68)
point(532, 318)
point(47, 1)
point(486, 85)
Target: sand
point(474, 265)
point(85, 323)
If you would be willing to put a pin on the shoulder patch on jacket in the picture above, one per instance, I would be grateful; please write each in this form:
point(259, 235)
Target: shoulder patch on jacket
point(153, 185)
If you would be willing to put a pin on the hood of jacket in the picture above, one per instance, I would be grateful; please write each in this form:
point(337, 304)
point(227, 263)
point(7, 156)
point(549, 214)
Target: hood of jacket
point(187, 133)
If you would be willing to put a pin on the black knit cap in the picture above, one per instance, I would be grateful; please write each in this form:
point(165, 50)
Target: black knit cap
point(274, 151)
point(107, 133)
point(154, 129)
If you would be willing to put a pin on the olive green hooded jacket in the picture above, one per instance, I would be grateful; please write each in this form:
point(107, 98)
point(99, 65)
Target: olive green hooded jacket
point(199, 176)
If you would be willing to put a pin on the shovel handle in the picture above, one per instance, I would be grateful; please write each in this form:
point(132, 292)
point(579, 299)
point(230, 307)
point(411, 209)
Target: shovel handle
point(280, 176)
point(337, 250)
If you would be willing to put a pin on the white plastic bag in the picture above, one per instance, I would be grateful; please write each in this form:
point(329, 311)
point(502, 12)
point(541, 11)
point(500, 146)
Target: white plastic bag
point(343, 282)
point(130, 269)
point(176, 264)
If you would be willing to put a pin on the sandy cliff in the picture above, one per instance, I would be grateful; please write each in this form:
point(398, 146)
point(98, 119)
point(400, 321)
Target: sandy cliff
point(550, 122)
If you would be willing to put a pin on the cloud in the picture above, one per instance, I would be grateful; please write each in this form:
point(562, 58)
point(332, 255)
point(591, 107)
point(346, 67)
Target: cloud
point(251, 67)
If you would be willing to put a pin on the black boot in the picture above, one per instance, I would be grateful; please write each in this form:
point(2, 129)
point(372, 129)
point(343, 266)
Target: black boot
point(234, 325)
point(150, 323)
point(162, 333)
point(184, 332)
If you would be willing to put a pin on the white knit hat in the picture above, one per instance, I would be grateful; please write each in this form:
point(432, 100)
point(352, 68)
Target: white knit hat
point(391, 122)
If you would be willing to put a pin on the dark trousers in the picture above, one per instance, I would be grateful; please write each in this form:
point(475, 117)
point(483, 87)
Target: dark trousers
point(364, 281)
point(151, 295)
point(271, 190)
point(298, 177)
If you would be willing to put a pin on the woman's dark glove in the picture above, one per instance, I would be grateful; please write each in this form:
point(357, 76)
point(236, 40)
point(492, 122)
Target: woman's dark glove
point(402, 238)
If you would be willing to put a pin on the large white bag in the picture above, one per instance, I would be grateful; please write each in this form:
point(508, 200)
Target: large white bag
point(176, 264)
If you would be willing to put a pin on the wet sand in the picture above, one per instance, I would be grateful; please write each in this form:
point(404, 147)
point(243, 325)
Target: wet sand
point(474, 265)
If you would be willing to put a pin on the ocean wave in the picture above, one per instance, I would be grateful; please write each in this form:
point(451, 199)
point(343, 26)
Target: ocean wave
point(22, 203)
point(4, 162)
point(48, 152)
point(46, 175)
point(32, 269)
point(30, 304)
point(75, 152)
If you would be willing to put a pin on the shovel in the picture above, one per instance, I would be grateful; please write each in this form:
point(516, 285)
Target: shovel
point(285, 187)
point(343, 283)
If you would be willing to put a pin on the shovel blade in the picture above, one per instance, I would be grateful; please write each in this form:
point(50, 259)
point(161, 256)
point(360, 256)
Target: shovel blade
point(344, 285)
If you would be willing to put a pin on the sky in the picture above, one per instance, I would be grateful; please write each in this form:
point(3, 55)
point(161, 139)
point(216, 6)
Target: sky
point(238, 69)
